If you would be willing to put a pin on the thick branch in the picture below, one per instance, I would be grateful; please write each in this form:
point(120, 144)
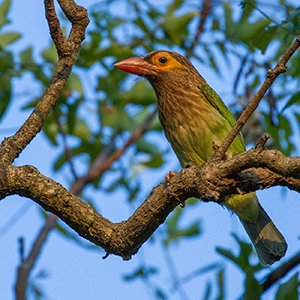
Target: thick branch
point(212, 181)
point(271, 76)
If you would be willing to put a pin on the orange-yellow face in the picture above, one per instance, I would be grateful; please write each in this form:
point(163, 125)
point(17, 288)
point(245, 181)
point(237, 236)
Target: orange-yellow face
point(160, 62)
point(165, 62)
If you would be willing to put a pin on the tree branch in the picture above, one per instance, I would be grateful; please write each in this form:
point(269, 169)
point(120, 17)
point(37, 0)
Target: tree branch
point(212, 181)
point(11, 147)
point(281, 272)
point(271, 76)
point(27, 264)
point(205, 11)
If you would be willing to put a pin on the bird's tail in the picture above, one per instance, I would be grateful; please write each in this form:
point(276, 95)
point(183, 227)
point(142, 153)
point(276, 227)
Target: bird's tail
point(269, 243)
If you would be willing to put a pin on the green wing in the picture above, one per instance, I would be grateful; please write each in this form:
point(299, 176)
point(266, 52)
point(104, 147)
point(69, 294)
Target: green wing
point(216, 102)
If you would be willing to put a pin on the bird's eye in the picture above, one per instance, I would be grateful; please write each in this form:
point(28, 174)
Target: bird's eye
point(163, 60)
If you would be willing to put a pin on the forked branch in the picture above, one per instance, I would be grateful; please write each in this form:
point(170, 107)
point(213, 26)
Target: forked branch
point(271, 76)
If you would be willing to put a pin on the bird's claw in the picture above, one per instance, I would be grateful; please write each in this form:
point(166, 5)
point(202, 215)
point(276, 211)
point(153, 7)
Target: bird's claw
point(216, 147)
point(169, 176)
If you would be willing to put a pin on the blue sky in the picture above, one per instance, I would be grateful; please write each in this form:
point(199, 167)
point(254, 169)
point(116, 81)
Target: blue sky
point(75, 273)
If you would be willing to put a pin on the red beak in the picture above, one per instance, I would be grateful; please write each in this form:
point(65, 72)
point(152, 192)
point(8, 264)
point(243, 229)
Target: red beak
point(137, 66)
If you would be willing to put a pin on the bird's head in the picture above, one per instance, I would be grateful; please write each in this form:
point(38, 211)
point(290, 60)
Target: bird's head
point(159, 65)
point(153, 64)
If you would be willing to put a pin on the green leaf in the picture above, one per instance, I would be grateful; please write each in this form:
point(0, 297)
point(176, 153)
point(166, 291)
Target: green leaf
point(220, 285)
point(141, 272)
point(72, 116)
point(289, 290)
point(5, 94)
point(263, 38)
point(253, 289)
point(248, 32)
point(116, 117)
point(242, 260)
point(50, 54)
point(174, 5)
point(295, 99)
point(229, 25)
point(174, 232)
point(29, 64)
point(4, 7)
point(74, 83)
point(140, 93)
point(8, 38)
point(143, 146)
point(176, 27)
point(156, 162)
point(140, 23)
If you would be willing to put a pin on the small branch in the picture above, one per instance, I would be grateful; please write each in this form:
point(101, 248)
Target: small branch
point(11, 147)
point(271, 76)
point(56, 33)
point(206, 8)
point(261, 143)
point(27, 264)
point(65, 144)
point(281, 272)
point(103, 162)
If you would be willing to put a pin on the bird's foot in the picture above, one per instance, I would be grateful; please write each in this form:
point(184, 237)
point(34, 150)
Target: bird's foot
point(169, 176)
point(216, 147)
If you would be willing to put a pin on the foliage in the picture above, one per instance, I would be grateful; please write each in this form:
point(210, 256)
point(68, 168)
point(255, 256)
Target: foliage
point(233, 35)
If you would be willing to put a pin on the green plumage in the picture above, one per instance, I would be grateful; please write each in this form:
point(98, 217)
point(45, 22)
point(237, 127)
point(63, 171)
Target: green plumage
point(193, 116)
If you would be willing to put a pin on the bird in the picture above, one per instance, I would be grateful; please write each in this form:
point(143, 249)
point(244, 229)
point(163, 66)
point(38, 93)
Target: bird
point(195, 121)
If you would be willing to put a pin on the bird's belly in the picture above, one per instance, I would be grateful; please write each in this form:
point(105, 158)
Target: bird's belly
point(193, 141)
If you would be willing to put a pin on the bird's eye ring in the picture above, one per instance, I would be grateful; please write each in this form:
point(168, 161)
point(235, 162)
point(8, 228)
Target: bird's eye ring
point(163, 60)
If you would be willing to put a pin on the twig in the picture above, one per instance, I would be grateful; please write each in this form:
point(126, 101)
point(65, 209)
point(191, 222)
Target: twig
point(177, 283)
point(27, 264)
point(206, 8)
point(281, 272)
point(65, 144)
point(271, 76)
point(56, 33)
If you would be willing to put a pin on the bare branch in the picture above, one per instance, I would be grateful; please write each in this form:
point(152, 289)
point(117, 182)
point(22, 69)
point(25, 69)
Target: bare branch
point(271, 76)
point(281, 272)
point(206, 8)
point(11, 147)
point(65, 144)
point(27, 264)
point(56, 33)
